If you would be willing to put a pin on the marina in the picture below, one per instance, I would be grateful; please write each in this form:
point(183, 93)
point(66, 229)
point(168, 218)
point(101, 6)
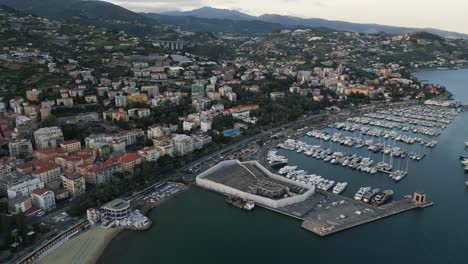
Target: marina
point(394, 239)
point(307, 198)
point(359, 152)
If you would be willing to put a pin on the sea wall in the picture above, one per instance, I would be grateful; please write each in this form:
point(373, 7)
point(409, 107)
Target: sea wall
point(221, 188)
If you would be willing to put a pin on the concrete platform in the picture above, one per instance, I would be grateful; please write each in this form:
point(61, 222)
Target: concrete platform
point(326, 213)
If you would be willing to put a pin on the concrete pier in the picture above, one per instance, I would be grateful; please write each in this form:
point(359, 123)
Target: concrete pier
point(326, 213)
point(328, 226)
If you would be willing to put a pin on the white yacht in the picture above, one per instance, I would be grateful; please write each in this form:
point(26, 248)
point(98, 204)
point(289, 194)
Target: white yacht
point(340, 187)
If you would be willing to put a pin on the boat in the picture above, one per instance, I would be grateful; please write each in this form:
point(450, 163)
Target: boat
point(360, 193)
point(466, 144)
point(340, 187)
point(369, 195)
point(278, 163)
point(240, 203)
point(382, 197)
point(466, 184)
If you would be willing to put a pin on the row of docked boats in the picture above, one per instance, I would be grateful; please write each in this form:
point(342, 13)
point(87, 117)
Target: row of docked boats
point(302, 176)
point(464, 162)
point(375, 147)
point(417, 115)
point(384, 134)
point(355, 162)
point(357, 123)
point(373, 196)
point(364, 164)
point(275, 160)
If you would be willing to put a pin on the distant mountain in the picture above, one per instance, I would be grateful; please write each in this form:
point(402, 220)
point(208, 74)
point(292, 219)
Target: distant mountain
point(196, 24)
point(209, 12)
point(289, 21)
point(96, 13)
point(354, 27)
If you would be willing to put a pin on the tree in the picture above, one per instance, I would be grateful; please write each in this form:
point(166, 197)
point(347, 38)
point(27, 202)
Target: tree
point(50, 121)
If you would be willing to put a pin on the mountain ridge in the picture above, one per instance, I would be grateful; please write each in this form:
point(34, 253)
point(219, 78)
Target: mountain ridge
point(209, 12)
point(89, 13)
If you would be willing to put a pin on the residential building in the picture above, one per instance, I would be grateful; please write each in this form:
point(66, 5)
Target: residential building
point(130, 137)
point(43, 199)
point(276, 95)
point(139, 113)
point(149, 153)
point(120, 101)
point(164, 146)
point(16, 184)
point(66, 102)
point(48, 137)
point(33, 95)
point(74, 183)
point(20, 148)
point(102, 173)
point(183, 145)
point(137, 98)
point(71, 146)
point(232, 97)
point(45, 171)
point(129, 162)
point(205, 125)
point(19, 205)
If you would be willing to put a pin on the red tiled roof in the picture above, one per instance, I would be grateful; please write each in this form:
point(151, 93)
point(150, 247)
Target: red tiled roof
point(70, 142)
point(72, 176)
point(37, 166)
point(41, 191)
point(129, 157)
point(46, 151)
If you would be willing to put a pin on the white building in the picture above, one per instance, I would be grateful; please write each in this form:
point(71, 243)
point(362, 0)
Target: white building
point(201, 140)
point(225, 90)
point(188, 126)
point(48, 137)
point(205, 125)
point(20, 148)
point(183, 145)
point(149, 154)
point(120, 100)
point(16, 184)
point(43, 198)
point(139, 113)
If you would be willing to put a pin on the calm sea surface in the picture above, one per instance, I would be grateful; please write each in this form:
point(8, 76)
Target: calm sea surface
point(198, 227)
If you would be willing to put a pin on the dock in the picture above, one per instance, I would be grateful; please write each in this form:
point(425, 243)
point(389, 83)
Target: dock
point(326, 213)
point(331, 225)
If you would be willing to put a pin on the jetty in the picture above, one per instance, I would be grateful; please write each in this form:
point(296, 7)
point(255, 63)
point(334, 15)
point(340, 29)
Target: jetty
point(327, 213)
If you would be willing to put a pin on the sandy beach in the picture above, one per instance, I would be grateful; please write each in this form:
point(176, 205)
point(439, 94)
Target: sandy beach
point(84, 248)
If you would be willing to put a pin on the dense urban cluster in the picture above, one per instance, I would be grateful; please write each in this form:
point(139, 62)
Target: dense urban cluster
point(88, 114)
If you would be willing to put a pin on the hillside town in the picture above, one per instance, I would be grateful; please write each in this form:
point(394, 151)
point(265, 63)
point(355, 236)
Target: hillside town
point(94, 114)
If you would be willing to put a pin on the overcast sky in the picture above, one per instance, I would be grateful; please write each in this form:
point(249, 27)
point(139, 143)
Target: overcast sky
point(442, 14)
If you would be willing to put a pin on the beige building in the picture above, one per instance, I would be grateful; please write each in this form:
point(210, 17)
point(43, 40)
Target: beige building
point(137, 98)
point(74, 183)
point(71, 146)
point(33, 95)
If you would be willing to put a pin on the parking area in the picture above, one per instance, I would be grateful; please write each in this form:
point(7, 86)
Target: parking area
point(161, 193)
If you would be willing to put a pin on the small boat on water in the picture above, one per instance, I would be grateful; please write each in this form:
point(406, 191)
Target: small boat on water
point(381, 198)
point(466, 184)
point(340, 187)
point(360, 193)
